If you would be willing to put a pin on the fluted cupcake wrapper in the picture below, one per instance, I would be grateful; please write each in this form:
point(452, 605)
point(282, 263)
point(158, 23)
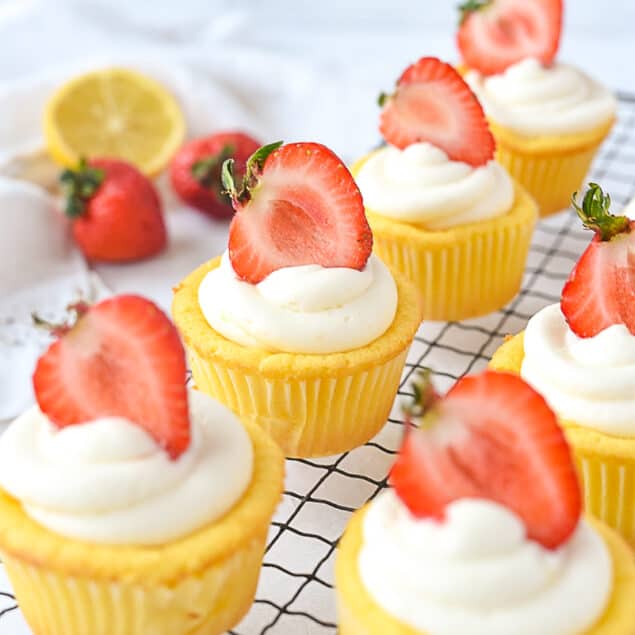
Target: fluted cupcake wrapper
point(463, 279)
point(358, 613)
point(550, 167)
point(465, 271)
point(313, 416)
point(54, 603)
point(200, 584)
point(609, 489)
point(550, 178)
point(310, 404)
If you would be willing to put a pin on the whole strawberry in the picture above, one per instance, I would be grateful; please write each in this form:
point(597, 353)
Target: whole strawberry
point(116, 211)
point(196, 170)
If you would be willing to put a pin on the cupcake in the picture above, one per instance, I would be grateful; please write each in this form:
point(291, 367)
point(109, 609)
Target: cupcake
point(128, 504)
point(298, 328)
point(442, 210)
point(548, 118)
point(482, 529)
point(580, 354)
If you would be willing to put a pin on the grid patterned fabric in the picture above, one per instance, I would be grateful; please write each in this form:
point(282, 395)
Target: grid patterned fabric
point(295, 595)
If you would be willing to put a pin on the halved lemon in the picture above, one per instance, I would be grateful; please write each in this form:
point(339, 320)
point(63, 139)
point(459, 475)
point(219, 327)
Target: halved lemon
point(114, 113)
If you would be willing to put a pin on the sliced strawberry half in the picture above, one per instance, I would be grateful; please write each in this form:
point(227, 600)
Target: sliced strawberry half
point(123, 357)
point(297, 205)
point(433, 103)
point(600, 291)
point(495, 34)
point(492, 437)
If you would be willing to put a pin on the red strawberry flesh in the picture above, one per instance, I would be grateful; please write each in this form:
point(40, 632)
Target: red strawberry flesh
point(433, 103)
point(495, 35)
point(122, 358)
point(492, 437)
point(301, 207)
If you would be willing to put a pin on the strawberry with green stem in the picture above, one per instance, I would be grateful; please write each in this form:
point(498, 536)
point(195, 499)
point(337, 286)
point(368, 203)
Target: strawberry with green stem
point(491, 437)
point(195, 171)
point(121, 357)
point(115, 211)
point(600, 291)
point(296, 204)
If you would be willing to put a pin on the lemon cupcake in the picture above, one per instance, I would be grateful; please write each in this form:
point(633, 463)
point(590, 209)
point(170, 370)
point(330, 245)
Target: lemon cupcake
point(581, 355)
point(482, 531)
point(127, 505)
point(442, 211)
point(298, 328)
point(548, 118)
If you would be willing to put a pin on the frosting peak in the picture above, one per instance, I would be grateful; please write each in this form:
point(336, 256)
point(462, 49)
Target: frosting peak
point(588, 380)
point(303, 309)
point(421, 185)
point(534, 99)
point(477, 573)
point(108, 481)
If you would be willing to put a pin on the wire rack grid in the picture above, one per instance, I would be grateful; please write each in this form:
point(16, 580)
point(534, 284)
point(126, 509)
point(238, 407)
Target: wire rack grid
point(295, 595)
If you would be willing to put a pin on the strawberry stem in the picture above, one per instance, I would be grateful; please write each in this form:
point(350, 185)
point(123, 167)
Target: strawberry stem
point(205, 170)
point(59, 329)
point(595, 215)
point(79, 186)
point(425, 396)
point(382, 99)
point(253, 169)
point(470, 6)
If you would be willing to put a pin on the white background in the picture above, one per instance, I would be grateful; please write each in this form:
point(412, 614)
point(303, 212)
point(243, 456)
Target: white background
point(354, 49)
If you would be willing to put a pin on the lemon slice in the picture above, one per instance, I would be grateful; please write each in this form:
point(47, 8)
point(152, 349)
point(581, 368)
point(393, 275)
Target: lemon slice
point(114, 113)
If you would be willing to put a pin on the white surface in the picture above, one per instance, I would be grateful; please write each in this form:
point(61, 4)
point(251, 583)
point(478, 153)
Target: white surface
point(108, 481)
point(42, 271)
point(356, 48)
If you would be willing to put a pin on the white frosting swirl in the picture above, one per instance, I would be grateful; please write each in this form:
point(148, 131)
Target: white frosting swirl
point(477, 573)
point(108, 481)
point(533, 99)
point(305, 309)
point(590, 380)
point(421, 185)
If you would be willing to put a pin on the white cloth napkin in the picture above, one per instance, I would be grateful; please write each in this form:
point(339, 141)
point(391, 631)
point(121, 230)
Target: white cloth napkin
point(41, 272)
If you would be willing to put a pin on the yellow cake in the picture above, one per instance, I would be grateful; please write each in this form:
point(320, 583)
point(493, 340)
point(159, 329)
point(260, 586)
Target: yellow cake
point(606, 463)
point(201, 584)
point(311, 404)
point(461, 272)
point(550, 167)
point(359, 614)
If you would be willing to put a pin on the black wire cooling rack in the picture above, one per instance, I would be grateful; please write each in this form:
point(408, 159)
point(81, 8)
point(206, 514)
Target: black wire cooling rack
point(295, 595)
